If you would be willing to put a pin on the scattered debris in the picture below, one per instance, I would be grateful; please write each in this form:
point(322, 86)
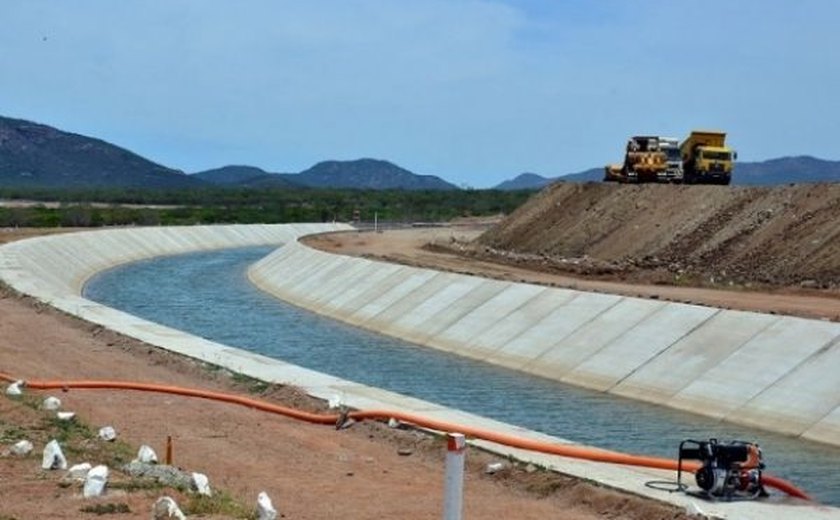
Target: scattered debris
point(51, 403)
point(65, 416)
point(201, 484)
point(15, 388)
point(95, 481)
point(79, 471)
point(265, 509)
point(147, 455)
point(165, 508)
point(21, 448)
point(107, 433)
point(53, 457)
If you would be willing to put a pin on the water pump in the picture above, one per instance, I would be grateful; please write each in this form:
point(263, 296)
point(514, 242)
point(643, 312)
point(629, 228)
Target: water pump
point(728, 471)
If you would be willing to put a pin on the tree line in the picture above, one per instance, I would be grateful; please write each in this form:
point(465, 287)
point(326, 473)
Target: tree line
point(112, 207)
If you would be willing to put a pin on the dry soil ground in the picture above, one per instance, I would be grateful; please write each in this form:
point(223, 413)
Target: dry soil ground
point(311, 472)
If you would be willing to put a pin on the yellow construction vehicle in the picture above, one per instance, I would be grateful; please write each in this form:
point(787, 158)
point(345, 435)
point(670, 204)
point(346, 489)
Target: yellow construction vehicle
point(706, 158)
point(646, 160)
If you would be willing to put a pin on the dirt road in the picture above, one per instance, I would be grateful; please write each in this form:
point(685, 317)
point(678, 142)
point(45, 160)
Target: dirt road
point(311, 472)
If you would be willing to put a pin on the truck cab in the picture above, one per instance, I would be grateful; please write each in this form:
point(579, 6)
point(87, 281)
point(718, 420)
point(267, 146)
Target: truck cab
point(706, 158)
point(673, 160)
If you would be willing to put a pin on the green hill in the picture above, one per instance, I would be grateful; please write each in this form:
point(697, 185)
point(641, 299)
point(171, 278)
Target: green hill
point(35, 155)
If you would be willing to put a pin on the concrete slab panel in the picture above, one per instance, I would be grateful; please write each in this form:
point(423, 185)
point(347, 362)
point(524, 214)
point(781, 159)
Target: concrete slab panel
point(541, 337)
point(803, 396)
point(382, 309)
point(638, 345)
point(754, 367)
point(589, 336)
point(494, 311)
point(404, 319)
point(694, 356)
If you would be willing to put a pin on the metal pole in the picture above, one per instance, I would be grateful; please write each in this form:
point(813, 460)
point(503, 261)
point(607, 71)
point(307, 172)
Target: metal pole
point(375, 221)
point(453, 499)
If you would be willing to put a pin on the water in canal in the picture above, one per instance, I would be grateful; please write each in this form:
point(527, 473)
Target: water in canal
point(208, 295)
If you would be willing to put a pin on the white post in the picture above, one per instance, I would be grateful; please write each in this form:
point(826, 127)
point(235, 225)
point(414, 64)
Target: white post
point(453, 500)
point(375, 221)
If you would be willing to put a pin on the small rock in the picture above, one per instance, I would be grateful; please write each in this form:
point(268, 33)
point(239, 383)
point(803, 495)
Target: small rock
point(201, 484)
point(95, 481)
point(167, 475)
point(530, 468)
point(393, 423)
point(265, 509)
point(51, 403)
point(494, 467)
point(404, 452)
point(21, 448)
point(334, 402)
point(53, 457)
point(15, 388)
point(146, 455)
point(166, 508)
point(107, 433)
point(65, 416)
point(79, 471)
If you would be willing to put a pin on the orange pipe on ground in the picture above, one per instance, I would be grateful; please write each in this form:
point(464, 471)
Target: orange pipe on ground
point(563, 450)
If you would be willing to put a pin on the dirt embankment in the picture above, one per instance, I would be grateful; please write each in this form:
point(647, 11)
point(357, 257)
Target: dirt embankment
point(683, 235)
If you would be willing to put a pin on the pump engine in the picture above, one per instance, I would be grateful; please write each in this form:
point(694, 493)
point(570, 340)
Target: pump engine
point(728, 471)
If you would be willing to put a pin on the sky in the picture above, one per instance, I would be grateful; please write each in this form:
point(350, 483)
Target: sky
point(474, 91)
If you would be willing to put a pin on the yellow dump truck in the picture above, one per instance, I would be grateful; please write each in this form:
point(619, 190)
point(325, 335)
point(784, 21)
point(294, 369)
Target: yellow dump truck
point(706, 158)
point(647, 159)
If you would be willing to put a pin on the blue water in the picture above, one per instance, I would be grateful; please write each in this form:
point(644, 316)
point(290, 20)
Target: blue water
point(208, 295)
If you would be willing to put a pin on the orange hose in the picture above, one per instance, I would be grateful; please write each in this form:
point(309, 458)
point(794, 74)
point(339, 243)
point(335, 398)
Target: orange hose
point(563, 450)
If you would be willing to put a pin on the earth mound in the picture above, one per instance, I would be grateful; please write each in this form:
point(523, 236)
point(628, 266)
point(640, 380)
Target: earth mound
point(677, 234)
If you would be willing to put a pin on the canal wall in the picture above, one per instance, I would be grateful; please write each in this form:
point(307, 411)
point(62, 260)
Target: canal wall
point(55, 268)
point(766, 371)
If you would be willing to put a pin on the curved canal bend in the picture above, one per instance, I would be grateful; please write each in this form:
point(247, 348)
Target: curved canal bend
point(208, 295)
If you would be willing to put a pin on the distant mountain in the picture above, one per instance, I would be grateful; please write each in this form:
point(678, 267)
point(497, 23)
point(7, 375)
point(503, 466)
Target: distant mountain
point(371, 174)
point(35, 155)
point(245, 176)
point(524, 181)
point(532, 181)
point(592, 174)
point(786, 170)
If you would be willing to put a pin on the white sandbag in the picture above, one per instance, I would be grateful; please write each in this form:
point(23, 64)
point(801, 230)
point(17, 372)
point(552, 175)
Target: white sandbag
point(65, 416)
point(107, 433)
point(53, 457)
point(166, 508)
point(21, 448)
point(51, 403)
point(201, 484)
point(147, 455)
point(15, 388)
point(265, 509)
point(79, 471)
point(95, 481)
